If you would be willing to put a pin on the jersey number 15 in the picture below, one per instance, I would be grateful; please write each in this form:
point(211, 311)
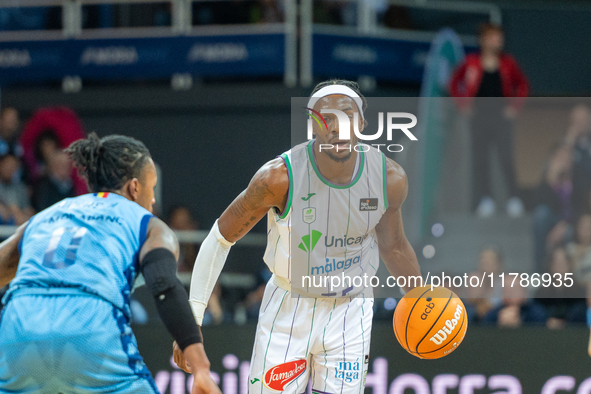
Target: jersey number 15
point(59, 235)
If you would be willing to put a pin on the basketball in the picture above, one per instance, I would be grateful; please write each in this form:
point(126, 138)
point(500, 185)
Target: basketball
point(429, 323)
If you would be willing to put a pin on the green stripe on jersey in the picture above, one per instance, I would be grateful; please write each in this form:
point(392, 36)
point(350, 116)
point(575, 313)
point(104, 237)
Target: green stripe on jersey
point(290, 193)
point(326, 181)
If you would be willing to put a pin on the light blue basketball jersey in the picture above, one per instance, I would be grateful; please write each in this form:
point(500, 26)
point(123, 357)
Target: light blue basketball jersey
point(90, 243)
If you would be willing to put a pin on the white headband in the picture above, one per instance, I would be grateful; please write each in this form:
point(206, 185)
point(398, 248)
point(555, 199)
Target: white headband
point(337, 89)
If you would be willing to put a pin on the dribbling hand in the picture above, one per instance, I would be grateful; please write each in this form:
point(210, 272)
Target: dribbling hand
point(179, 357)
point(194, 360)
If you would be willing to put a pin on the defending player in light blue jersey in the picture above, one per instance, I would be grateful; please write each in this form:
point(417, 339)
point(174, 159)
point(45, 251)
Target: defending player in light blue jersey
point(66, 323)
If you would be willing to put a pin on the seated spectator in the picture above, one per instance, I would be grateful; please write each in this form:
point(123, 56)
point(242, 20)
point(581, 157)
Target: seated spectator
point(180, 218)
point(9, 132)
point(46, 145)
point(554, 210)
point(14, 198)
point(215, 314)
point(255, 298)
point(563, 304)
point(56, 185)
point(481, 300)
point(580, 250)
point(578, 139)
point(66, 127)
point(516, 309)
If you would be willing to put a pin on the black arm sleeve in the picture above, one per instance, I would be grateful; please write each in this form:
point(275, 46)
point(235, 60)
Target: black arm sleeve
point(172, 301)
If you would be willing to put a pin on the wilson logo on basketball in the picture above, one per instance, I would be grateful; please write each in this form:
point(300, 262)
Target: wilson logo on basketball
point(279, 376)
point(448, 327)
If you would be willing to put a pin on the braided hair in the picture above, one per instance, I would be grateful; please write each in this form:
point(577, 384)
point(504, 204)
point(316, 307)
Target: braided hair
point(108, 163)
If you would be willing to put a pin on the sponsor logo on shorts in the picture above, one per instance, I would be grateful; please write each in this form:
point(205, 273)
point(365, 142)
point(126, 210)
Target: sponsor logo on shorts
point(279, 376)
point(348, 371)
point(368, 204)
point(448, 327)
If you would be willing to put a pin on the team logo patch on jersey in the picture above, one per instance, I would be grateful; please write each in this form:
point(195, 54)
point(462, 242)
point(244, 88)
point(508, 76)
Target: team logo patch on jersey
point(309, 215)
point(279, 376)
point(368, 204)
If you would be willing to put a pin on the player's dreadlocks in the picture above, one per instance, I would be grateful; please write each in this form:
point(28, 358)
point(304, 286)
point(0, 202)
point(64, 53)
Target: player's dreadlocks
point(350, 84)
point(107, 163)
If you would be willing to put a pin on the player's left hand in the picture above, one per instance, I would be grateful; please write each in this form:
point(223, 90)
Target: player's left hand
point(179, 357)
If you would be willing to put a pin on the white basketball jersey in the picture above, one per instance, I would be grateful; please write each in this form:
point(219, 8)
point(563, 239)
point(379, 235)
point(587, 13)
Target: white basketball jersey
point(327, 230)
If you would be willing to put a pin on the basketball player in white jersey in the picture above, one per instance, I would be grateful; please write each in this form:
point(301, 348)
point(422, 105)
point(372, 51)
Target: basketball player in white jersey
point(330, 213)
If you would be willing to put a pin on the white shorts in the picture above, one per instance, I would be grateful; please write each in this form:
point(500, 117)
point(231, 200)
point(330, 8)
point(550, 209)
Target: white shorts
point(298, 338)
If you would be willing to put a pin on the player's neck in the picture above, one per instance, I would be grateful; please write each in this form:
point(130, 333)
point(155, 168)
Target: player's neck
point(338, 172)
point(122, 193)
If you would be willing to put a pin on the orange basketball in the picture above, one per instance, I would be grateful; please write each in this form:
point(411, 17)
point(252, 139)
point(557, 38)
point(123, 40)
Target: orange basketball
point(430, 324)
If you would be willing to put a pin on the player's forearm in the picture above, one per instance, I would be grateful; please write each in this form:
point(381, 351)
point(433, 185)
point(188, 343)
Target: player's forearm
point(401, 261)
point(208, 266)
point(159, 270)
point(196, 357)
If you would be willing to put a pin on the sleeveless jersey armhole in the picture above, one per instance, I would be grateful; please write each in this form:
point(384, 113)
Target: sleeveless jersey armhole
point(144, 228)
point(20, 242)
point(287, 208)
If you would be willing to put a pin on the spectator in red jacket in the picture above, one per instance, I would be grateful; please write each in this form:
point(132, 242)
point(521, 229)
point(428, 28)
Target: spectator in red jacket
point(48, 129)
point(489, 74)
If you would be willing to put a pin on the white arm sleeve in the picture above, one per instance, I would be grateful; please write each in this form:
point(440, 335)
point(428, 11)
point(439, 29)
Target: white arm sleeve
point(208, 265)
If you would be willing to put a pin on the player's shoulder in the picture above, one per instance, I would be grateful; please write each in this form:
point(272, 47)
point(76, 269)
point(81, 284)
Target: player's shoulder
point(157, 226)
point(158, 233)
point(395, 171)
point(273, 175)
point(397, 182)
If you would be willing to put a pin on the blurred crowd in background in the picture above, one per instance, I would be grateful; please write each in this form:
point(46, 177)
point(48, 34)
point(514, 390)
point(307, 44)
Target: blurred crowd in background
point(224, 12)
point(35, 173)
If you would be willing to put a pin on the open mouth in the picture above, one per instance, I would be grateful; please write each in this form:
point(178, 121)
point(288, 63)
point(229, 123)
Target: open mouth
point(341, 145)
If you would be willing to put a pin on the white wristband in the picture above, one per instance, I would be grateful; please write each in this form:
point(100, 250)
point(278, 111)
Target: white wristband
point(208, 265)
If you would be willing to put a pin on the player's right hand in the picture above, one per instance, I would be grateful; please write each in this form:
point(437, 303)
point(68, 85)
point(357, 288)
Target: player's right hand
point(179, 357)
point(195, 361)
